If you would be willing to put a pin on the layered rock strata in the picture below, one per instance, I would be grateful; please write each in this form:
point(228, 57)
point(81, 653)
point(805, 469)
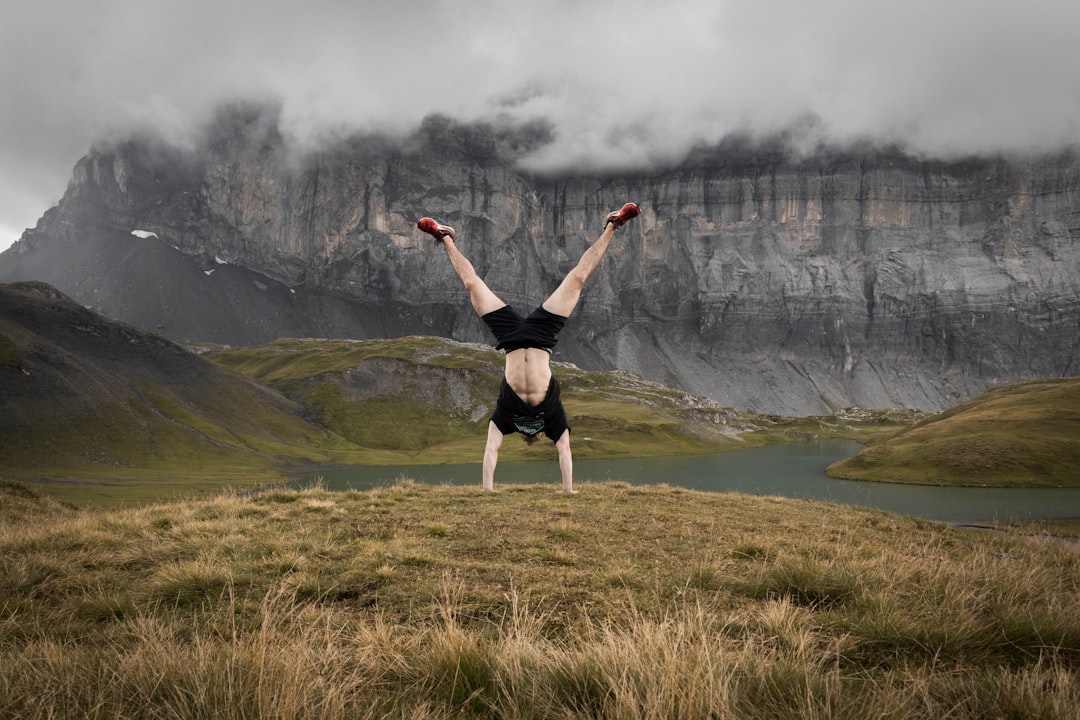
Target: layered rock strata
point(767, 282)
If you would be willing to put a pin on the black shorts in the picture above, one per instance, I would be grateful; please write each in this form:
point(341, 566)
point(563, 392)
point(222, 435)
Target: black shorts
point(513, 332)
point(513, 415)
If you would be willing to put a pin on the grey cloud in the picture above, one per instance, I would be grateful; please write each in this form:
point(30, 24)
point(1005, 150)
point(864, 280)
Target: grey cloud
point(618, 83)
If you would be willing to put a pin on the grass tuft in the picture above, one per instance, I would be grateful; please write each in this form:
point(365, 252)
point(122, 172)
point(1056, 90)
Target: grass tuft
point(805, 582)
point(190, 584)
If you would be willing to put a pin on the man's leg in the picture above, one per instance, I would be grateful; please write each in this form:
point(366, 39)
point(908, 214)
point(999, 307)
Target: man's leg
point(566, 296)
point(491, 456)
point(482, 298)
point(566, 463)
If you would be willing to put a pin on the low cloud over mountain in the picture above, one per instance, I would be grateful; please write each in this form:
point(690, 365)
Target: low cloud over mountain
point(619, 84)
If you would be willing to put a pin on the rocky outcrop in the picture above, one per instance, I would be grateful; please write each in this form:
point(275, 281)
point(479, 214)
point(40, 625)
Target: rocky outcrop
point(765, 281)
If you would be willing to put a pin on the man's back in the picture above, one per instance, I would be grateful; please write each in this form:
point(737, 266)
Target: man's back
point(528, 373)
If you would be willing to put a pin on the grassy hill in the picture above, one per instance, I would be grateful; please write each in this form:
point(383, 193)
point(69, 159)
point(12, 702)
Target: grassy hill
point(88, 398)
point(438, 602)
point(429, 399)
point(1023, 435)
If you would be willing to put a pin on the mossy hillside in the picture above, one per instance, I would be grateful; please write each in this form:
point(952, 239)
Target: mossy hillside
point(397, 423)
point(860, 424)
point(1020, 435)
point(135, 454)
point(288, 363)
point(440, 602)
point(219, 427)
point(102, 402)
point(9, 355)
point(431, 398)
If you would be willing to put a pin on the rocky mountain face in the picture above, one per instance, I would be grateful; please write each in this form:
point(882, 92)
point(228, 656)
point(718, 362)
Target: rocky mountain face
point(761, 279)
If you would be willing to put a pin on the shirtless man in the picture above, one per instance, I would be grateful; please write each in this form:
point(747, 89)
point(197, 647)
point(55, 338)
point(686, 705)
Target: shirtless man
point(529, 402)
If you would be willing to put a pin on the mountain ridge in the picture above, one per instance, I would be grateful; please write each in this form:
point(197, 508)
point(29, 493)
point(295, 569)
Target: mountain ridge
point(765, 280)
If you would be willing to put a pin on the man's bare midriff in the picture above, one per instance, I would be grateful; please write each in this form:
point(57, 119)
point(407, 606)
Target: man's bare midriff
point(528, 373)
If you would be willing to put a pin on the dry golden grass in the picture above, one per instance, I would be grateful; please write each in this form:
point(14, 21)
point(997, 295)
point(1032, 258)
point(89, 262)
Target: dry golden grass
point(437, 602)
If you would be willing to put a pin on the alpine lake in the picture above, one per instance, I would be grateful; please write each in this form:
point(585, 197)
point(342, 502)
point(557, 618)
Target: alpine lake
point(793, 470)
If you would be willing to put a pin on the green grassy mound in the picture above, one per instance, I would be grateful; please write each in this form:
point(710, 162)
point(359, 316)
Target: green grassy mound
point(441, 602)
point(1023, 435)
point(89, 398)
point(425, 399)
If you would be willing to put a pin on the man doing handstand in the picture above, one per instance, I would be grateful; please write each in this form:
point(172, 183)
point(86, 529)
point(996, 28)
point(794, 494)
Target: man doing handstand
point(529, 401)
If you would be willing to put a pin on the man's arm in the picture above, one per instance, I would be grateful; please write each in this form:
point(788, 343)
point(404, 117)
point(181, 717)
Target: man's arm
point(491, 455)
point(566, 462)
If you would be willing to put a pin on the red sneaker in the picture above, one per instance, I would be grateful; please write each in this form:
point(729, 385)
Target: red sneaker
point(435, 230)
point(620, 217)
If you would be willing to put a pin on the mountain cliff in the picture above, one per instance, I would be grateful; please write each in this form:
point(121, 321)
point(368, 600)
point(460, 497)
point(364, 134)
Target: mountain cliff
point(764, 279)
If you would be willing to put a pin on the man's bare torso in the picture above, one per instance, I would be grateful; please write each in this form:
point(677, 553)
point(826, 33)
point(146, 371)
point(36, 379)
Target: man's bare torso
point(528, 373)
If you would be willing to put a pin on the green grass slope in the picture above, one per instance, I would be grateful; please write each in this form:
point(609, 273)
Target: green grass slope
point(426, 399)
point(443, 602)
point(87, 397)
point(1022, 435)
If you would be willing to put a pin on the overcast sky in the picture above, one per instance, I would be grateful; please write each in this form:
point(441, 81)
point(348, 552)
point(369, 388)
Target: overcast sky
point(627, 81)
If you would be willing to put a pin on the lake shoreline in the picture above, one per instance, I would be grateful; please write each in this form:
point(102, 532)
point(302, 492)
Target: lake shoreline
point(793, 470)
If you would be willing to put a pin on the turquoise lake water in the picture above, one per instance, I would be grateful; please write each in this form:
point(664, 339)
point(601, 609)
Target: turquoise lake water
point(793, 470)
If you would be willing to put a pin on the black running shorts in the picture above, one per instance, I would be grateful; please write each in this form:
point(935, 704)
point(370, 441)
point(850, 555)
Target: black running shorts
point(513, 332)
